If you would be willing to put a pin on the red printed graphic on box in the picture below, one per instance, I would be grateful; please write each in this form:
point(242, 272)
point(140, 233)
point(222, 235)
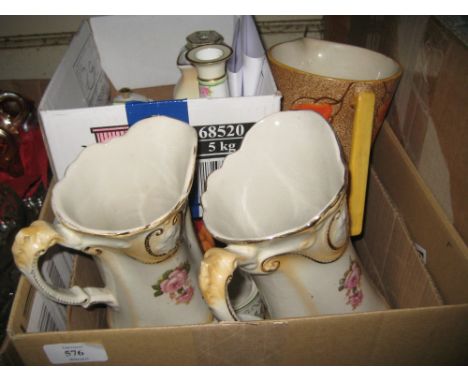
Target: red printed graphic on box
point(105, 134)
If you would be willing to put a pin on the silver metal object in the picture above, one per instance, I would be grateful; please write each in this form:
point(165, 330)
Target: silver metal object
point(199, 38)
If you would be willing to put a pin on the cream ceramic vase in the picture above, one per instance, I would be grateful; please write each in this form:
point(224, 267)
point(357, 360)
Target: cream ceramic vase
point(279, 203)
point(124, 203)
point(210, 63)
point(187, 85)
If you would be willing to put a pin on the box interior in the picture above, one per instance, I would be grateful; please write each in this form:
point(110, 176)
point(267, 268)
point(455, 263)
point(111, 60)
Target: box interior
point(386, 250)
point(428, 112)
point(156, 93)
point(419, 331)
point(401, 212)
point(124, 51)
point(140, 44)
point(427, 223)
point(78, 99)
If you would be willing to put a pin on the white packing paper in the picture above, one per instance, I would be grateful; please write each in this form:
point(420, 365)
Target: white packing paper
point(248, 59)
point(254, 57)
point(234, 65)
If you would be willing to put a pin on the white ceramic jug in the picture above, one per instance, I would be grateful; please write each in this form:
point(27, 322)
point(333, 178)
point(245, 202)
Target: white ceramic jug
point(124, 202)
point(279, 203)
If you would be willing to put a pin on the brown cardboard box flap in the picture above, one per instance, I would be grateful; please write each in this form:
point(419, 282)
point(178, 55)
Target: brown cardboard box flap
point(387, 246)
point(429, 112)
point(428, 225)
point(424, 336)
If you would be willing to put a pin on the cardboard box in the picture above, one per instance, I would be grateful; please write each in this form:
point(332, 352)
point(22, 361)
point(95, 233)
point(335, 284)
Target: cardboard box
point(140, 52)
point(420, 330)
point(429, 113)
point(444, 249)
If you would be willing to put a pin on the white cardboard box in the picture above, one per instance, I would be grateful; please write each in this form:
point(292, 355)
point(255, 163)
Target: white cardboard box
point(139, 52)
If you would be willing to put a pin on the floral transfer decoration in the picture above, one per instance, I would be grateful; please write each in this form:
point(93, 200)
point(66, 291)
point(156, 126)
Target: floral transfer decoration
point(351, 282)
point(205, 91)
point(176, 284)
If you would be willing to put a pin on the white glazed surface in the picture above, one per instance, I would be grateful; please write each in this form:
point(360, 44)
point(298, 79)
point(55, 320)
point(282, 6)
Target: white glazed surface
point(261, 189)
point(301, 287)
point(334, 60)
point(210, 60)
point(124, 202)
point(279, 203)
point(130, 181)
point(131, 283)
point(215, 89)
point(187, 84)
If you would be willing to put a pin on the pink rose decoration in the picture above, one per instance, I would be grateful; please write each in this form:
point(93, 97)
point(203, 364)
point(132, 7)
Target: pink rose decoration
point(353, 277)
point(355, 299)
point(204, 91)
point(175, 281)
point(176, 284)
point(350, 282)
point(185, 296)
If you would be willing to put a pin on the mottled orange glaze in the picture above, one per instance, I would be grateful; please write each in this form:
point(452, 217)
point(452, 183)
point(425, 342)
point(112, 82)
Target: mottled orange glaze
point(324, 109)
point(300, 89)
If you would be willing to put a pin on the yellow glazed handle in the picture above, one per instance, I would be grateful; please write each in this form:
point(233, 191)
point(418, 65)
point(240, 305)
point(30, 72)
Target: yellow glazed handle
point(216, 272)
point(359, 158)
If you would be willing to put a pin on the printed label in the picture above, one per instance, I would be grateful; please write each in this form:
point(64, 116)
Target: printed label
point(75, 353)
point(215, 142)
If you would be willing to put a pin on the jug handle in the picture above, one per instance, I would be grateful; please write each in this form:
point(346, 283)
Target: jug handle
point(361, 141)
point(30, 244)
point(216, 272)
